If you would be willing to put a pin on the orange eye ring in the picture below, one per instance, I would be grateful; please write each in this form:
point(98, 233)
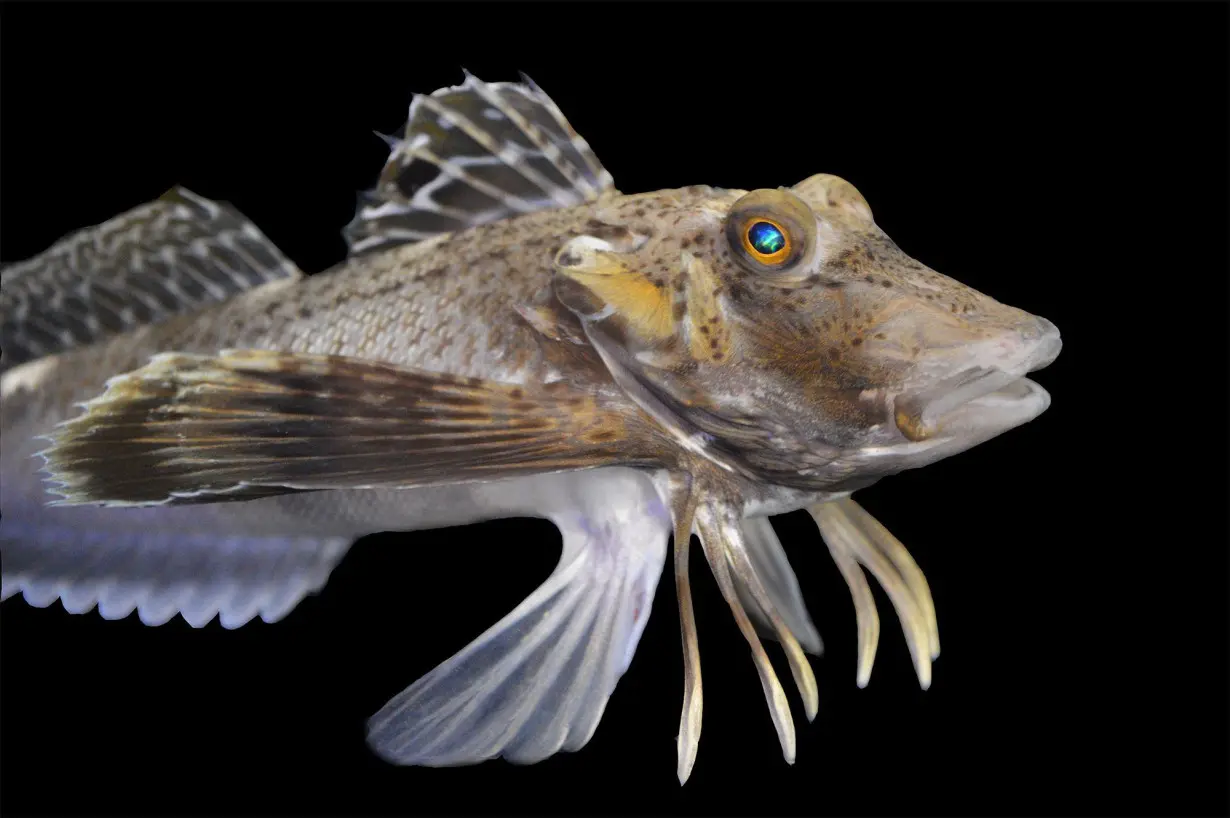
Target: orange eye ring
point(766, 240)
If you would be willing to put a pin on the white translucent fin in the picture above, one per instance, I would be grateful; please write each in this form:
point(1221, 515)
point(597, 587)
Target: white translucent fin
point(768, 559)
point(472, 154)
point(168, 256)
point(854, 536)
point(538, 681)
point(164, 571)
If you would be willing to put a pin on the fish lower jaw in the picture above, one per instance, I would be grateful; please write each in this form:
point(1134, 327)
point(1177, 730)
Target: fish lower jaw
point(1018, 401)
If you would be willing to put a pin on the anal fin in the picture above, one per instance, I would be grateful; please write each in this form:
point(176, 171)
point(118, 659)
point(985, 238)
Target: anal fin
point(163, 566)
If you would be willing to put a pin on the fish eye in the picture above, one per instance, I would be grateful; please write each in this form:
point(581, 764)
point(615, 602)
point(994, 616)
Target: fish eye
point(766, 241)
point(772, 232)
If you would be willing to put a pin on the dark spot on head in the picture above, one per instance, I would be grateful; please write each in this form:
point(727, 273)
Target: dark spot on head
point(699, 238)
point(856, 342)
point(704, 329)
point(885, 283)
point(685, 243)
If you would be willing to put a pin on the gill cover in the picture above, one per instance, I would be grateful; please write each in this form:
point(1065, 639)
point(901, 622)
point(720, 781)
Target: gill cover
point(675, 346)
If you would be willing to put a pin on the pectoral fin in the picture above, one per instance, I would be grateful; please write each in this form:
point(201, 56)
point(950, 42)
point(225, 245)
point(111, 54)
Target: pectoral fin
point(249, 423)
point(537, 682)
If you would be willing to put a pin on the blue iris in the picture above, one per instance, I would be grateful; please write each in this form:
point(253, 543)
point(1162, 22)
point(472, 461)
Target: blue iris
point(765, 238)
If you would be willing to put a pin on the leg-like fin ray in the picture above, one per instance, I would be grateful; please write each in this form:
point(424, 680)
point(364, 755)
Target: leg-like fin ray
point(713, 536)
point(847, 527)
point(800, 668)
point(684, 512)
point(868, 618)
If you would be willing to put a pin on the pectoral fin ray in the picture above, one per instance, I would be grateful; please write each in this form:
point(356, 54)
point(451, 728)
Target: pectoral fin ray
point(248, 423)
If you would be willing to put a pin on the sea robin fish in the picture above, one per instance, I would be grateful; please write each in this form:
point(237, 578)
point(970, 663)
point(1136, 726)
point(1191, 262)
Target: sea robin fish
point(193, 426)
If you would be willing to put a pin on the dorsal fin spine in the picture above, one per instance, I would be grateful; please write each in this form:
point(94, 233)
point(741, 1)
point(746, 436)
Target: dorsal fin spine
point(507, 155)
point(471, 154)
point(529, 129)
point(605, 180)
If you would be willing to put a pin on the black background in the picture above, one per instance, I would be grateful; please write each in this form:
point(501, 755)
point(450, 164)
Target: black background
point(1066, 159)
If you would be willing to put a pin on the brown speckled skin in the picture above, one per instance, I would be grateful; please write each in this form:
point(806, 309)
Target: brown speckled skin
point(802, 362)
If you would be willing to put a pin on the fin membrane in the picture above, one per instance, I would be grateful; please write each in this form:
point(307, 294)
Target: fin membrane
point(538, 681)
point(177, 253)
point(249, 423)
point(768, 559)
point(472, 154)
point(161, 570)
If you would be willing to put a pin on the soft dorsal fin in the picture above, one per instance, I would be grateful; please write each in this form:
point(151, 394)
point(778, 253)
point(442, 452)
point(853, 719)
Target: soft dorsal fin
point(476, 153)
point(174, 254)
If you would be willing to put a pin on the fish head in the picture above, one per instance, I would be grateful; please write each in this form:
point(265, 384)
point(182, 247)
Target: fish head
point(785, 335)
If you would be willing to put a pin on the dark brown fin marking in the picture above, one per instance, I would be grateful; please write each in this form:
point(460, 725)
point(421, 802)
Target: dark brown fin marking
point(175, 254)
point(471, 154)
point(191, 428)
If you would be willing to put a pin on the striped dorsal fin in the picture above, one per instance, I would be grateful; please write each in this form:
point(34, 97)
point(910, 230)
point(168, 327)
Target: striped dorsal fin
point(471, 154)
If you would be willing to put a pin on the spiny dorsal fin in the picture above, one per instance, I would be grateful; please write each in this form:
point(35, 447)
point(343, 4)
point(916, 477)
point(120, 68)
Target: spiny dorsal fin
point(476, 153)
point(174, 254)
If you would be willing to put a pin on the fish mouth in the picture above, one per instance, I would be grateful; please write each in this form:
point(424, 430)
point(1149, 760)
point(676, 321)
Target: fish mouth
point(980, 397)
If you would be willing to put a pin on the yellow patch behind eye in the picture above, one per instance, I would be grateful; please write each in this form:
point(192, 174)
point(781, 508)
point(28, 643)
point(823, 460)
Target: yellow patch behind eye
point(644, 306)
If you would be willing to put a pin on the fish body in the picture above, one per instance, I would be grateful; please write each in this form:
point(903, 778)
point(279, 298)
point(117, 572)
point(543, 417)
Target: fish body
point(192, 426)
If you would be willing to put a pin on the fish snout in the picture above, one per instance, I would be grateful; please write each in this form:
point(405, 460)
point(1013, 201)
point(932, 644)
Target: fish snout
point(960, 367)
